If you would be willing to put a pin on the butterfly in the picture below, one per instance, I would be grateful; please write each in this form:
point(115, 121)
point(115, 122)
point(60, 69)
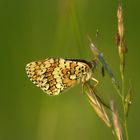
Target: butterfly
point(55, 75)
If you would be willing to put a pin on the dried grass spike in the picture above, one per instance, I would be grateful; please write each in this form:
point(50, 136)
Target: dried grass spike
point(116, 122)
point(97, 105)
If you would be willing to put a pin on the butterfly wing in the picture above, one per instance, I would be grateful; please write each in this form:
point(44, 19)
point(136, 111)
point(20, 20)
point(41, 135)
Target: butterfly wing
point(55, 75)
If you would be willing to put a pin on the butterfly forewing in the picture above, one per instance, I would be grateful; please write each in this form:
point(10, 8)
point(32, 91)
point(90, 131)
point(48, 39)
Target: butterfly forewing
point(55, 75)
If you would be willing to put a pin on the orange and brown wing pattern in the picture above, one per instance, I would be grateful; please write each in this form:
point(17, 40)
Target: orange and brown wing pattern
point(55, 75)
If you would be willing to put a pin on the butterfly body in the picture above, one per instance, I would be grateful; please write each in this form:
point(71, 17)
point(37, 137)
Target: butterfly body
point(54, 75)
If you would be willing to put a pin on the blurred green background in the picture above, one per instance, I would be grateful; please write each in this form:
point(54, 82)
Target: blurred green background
point(36, 29)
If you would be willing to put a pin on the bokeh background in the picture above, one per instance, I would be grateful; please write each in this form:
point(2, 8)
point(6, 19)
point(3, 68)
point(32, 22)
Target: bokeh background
point(36, 29)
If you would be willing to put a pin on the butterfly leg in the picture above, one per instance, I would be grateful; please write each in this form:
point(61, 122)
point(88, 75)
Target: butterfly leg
point(95, 80)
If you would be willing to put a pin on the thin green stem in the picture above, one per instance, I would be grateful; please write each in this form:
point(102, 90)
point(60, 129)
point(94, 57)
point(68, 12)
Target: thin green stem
point(123, 103)
point(122, 76)
point(118, 91)
point(126, 130)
